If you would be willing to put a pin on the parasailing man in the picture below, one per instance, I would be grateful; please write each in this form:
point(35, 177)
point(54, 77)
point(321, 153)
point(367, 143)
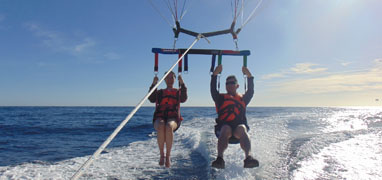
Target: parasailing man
point(232, 124)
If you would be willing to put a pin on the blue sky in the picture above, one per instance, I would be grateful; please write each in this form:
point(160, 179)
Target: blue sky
point(304, 53)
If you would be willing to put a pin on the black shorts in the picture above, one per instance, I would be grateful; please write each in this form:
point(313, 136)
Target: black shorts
point(232, 139)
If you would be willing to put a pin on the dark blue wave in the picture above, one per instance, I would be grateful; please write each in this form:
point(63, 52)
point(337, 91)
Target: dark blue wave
point(51, 134)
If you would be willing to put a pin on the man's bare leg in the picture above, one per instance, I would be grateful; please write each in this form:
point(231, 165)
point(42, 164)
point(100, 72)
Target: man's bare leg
point(241, 134)
point(225, 134)
point(245, 144)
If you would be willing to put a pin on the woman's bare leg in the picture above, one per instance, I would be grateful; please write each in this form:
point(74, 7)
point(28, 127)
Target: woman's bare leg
point(170, 127)
point(159, 126)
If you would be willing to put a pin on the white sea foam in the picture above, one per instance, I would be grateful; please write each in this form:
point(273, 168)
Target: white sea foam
point(349, 120)
point(200, 136)
point(139, 160)
point(269, 140)
point(356, 158)
point(121, 163)
point(205, 143)
point(339, 153)
point(352, 119)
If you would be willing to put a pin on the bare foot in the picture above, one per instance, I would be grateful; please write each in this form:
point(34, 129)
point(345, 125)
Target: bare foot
point(168, 162)
point(161, 160)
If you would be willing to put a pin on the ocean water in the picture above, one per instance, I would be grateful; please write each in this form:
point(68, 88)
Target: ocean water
point(290, 143)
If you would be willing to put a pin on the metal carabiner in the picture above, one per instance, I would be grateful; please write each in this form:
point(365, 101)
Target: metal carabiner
point(236, 44)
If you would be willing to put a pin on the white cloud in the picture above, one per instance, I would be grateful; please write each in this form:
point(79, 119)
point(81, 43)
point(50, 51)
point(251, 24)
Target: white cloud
point(378, 61)
point(306, 68)
point(83, 47)
point(344, 63)
point(57, 41)
point(299, 68)
point(49, 38)
point(364, 81)
point(274, 75)
point(87, 43)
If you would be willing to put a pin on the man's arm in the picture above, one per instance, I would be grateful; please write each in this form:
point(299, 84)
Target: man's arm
point(249, 94)
point(214, 91)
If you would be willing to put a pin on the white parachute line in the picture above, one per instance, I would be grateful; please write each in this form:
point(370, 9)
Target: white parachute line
point(243, 4)
point(251, 15)
point(183, 12)
point(237, 10)
point(181, 17)
point(174, 22)
point(242, 12)
point(189, 5)
point(171, 10)
point(176, 9)
point(233, 16)
point(168, 22)
point(234, 9)
point(81, 170)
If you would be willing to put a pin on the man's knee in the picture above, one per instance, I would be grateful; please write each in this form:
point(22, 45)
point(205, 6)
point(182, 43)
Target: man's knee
point(240, 131)
point(226, 131)
point(241, 128)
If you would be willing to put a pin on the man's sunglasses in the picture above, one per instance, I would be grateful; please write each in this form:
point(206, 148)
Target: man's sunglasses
point(230, 82)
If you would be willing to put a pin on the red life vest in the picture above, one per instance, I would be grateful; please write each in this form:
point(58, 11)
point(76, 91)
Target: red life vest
point(232, 108)
point(168, 104)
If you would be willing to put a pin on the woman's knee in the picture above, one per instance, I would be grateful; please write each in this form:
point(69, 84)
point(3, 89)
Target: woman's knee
point(171, 125)
point(159, 124)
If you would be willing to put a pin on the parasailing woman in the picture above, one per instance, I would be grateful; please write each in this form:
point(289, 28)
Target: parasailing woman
point(167, 118)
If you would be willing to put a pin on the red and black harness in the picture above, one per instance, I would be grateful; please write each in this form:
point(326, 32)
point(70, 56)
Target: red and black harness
point(168, 105)
point(231, 112)
point(232, 108)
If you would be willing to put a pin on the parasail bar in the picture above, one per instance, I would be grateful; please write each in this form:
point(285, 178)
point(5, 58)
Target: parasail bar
point(202, 51)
